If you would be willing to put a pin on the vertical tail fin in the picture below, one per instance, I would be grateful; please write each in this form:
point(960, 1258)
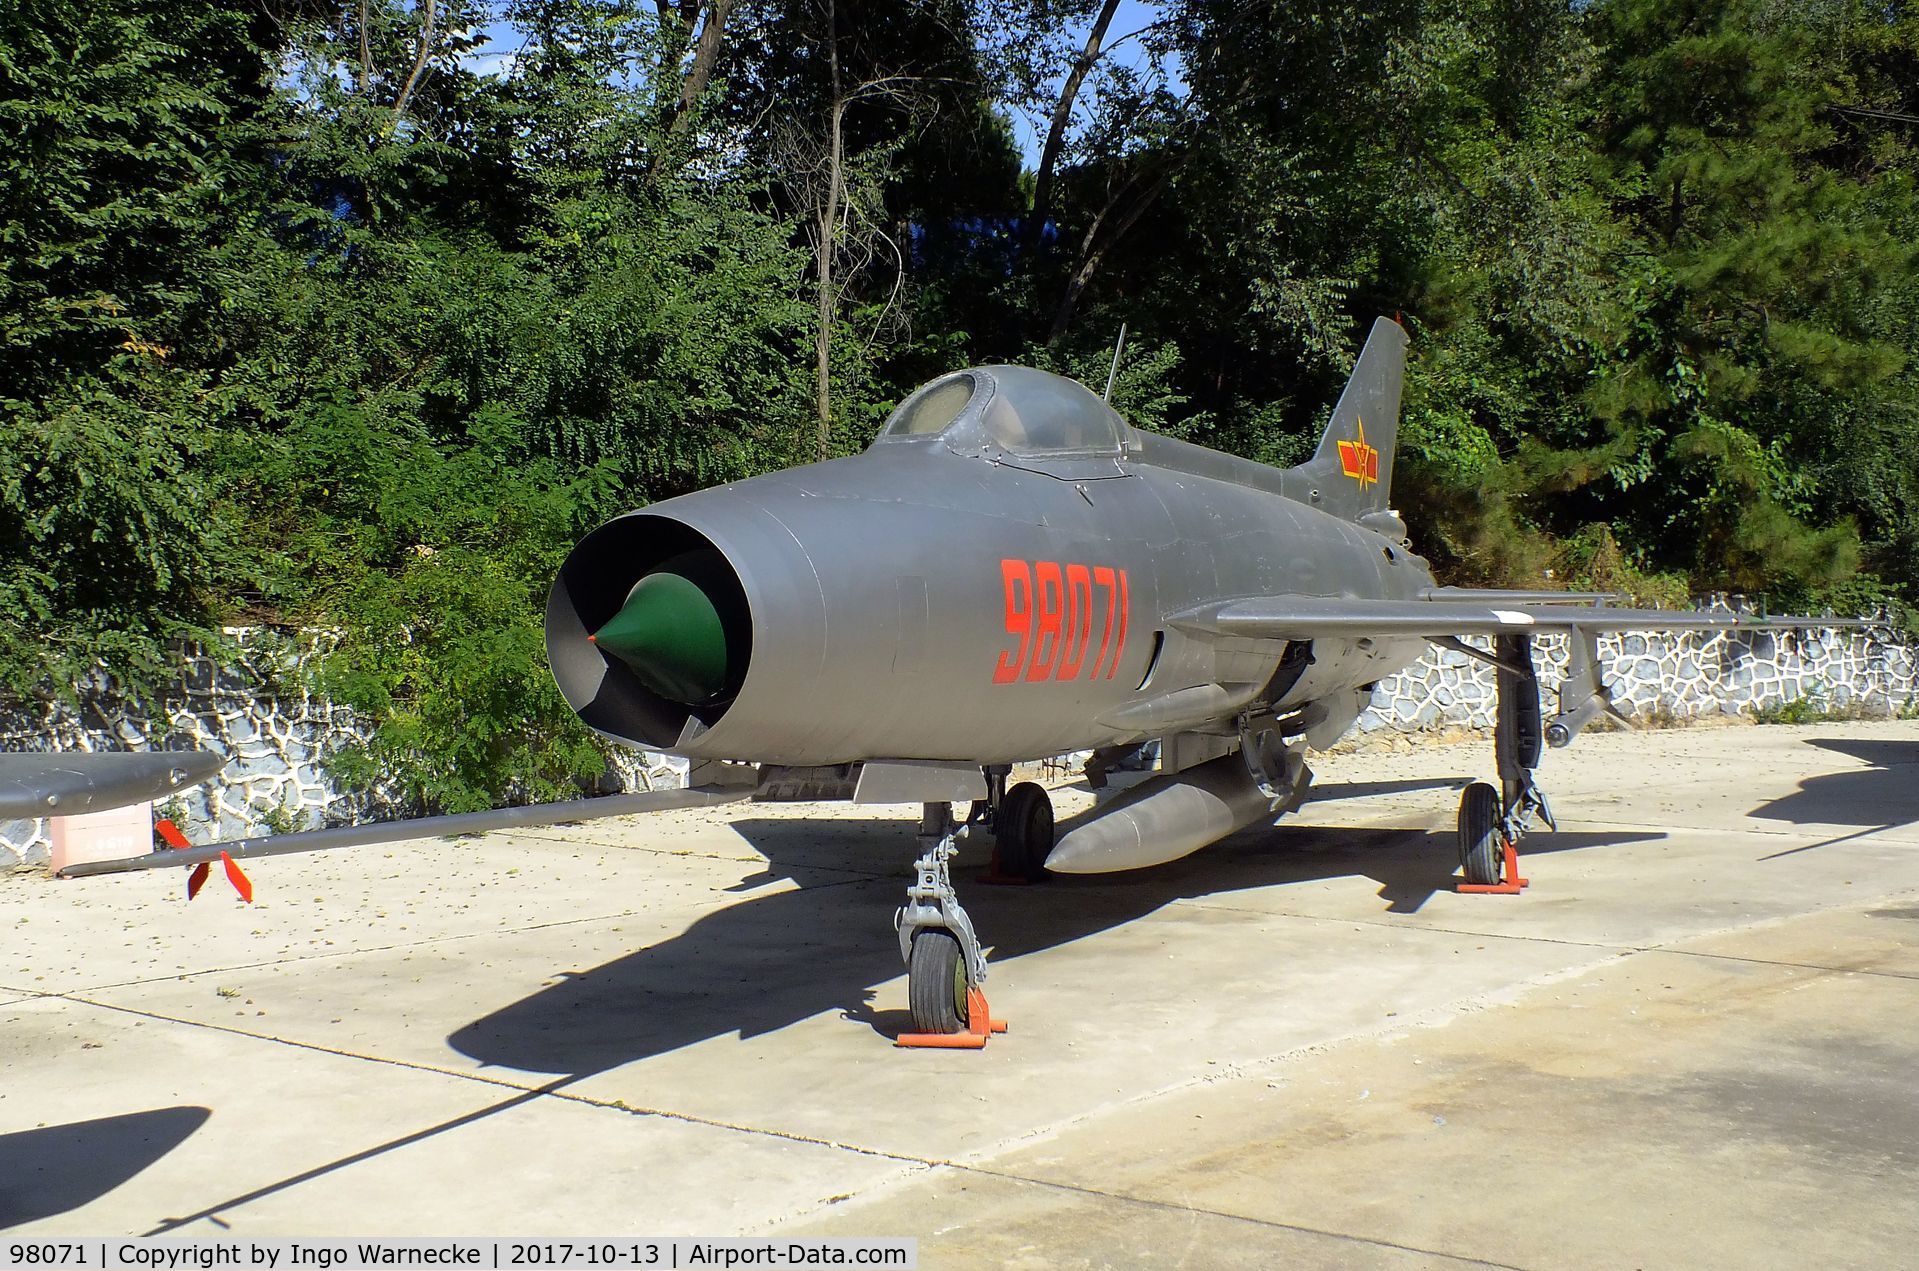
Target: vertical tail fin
point(1352, 471)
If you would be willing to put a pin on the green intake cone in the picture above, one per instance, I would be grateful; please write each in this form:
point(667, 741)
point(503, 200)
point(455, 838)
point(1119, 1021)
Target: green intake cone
point(670, 634)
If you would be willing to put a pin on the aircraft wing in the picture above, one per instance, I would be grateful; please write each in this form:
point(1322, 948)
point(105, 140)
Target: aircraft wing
point(46, 783)
point(520, 818)
point(1313, 617)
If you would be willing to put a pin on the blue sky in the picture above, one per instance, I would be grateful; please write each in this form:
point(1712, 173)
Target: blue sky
point(495, 56)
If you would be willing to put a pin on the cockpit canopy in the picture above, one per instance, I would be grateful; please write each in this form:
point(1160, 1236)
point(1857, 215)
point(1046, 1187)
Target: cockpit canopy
point(1014, 410)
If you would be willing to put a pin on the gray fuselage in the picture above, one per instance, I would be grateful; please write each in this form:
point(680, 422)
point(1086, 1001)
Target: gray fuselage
point(940, 598)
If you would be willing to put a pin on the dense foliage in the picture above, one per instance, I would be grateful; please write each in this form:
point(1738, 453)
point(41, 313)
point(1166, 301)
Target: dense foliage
point(313, 314)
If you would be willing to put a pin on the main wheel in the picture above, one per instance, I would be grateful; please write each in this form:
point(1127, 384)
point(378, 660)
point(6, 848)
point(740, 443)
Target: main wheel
point(1481, 853)
point(1023, 830)
point(936, 982)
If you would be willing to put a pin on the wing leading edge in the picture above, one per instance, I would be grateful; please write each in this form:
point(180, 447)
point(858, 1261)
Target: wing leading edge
point(1311, 618)
point(421, 829)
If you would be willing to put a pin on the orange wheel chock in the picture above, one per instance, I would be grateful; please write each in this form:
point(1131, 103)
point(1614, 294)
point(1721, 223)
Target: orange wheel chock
point(980, 1025)
point(1512, 885)
point(995, 876)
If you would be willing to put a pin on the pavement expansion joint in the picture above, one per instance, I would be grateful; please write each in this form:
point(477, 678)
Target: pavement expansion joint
point(1856, 904)
point(1787, 965)
point(426, 942)
point(1740, 831)
point(551, 1089)
point(332, 954)
point(1836, 840)
point(1168, 1206)
point(1436, 1016)
point(1515, 937)
point(524, 1097)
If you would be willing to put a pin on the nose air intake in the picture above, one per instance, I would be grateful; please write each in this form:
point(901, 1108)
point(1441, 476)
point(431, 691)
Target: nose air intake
point(648, 630)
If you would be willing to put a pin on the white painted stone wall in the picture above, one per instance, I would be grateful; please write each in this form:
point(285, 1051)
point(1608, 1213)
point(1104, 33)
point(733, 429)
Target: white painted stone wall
point(277, 736)
point(256, 710)
point(1669, 677)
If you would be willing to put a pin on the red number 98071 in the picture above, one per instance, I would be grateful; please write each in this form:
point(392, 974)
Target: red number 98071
point(1051, 609)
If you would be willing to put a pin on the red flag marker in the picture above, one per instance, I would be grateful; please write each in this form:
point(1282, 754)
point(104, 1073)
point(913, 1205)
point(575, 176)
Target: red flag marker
point(241, 883)
point(170, 832)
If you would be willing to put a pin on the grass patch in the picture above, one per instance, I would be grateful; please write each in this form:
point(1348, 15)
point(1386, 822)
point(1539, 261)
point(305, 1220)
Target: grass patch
point(1810, 710)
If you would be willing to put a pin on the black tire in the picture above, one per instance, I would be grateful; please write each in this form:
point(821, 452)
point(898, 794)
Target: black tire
point(1023, 831)
point(1481, 853)
point(936, 982)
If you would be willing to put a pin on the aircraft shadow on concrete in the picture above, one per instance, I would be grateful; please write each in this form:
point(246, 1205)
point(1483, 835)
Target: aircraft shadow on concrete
point(1879, 798)
point(771, 960)
point(57, 1168)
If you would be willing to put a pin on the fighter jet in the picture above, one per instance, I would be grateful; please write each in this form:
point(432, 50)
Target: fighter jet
point(1011, 571)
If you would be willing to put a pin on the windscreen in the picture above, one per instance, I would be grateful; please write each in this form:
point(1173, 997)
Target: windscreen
point(932, 408)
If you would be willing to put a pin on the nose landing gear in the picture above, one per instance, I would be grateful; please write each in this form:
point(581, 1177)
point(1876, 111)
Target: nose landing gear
point(951, 959)
point(945, 965)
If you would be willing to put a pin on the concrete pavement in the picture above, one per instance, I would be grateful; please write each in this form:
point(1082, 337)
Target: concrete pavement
point(1686, 1045)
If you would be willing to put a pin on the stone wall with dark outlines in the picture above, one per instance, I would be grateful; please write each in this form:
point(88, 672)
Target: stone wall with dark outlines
point(256, 710)
point(1669, 677)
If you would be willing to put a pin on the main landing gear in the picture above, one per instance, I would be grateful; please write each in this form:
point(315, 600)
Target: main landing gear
point(1022, 822)
point(1492, 821)
point(945, 965)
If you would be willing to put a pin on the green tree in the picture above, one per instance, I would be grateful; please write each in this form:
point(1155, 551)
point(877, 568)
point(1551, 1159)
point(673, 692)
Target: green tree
point(1768, 269)
point(119, 161)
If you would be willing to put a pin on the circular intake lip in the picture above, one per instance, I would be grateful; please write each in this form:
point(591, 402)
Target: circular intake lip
point(689, 675)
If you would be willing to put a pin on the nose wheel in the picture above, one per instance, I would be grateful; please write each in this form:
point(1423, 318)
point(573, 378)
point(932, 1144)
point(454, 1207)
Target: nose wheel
point(945, 965)
point(936, 982)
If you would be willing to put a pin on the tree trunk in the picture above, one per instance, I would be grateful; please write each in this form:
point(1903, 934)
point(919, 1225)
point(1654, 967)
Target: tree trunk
point(366, 51)
point(706, 55)
point(419, 62)
point(827, 238)
point(1092, 257)
point(1056, 133)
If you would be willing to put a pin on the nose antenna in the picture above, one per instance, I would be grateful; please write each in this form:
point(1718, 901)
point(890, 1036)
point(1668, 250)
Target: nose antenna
point(1118, 348)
